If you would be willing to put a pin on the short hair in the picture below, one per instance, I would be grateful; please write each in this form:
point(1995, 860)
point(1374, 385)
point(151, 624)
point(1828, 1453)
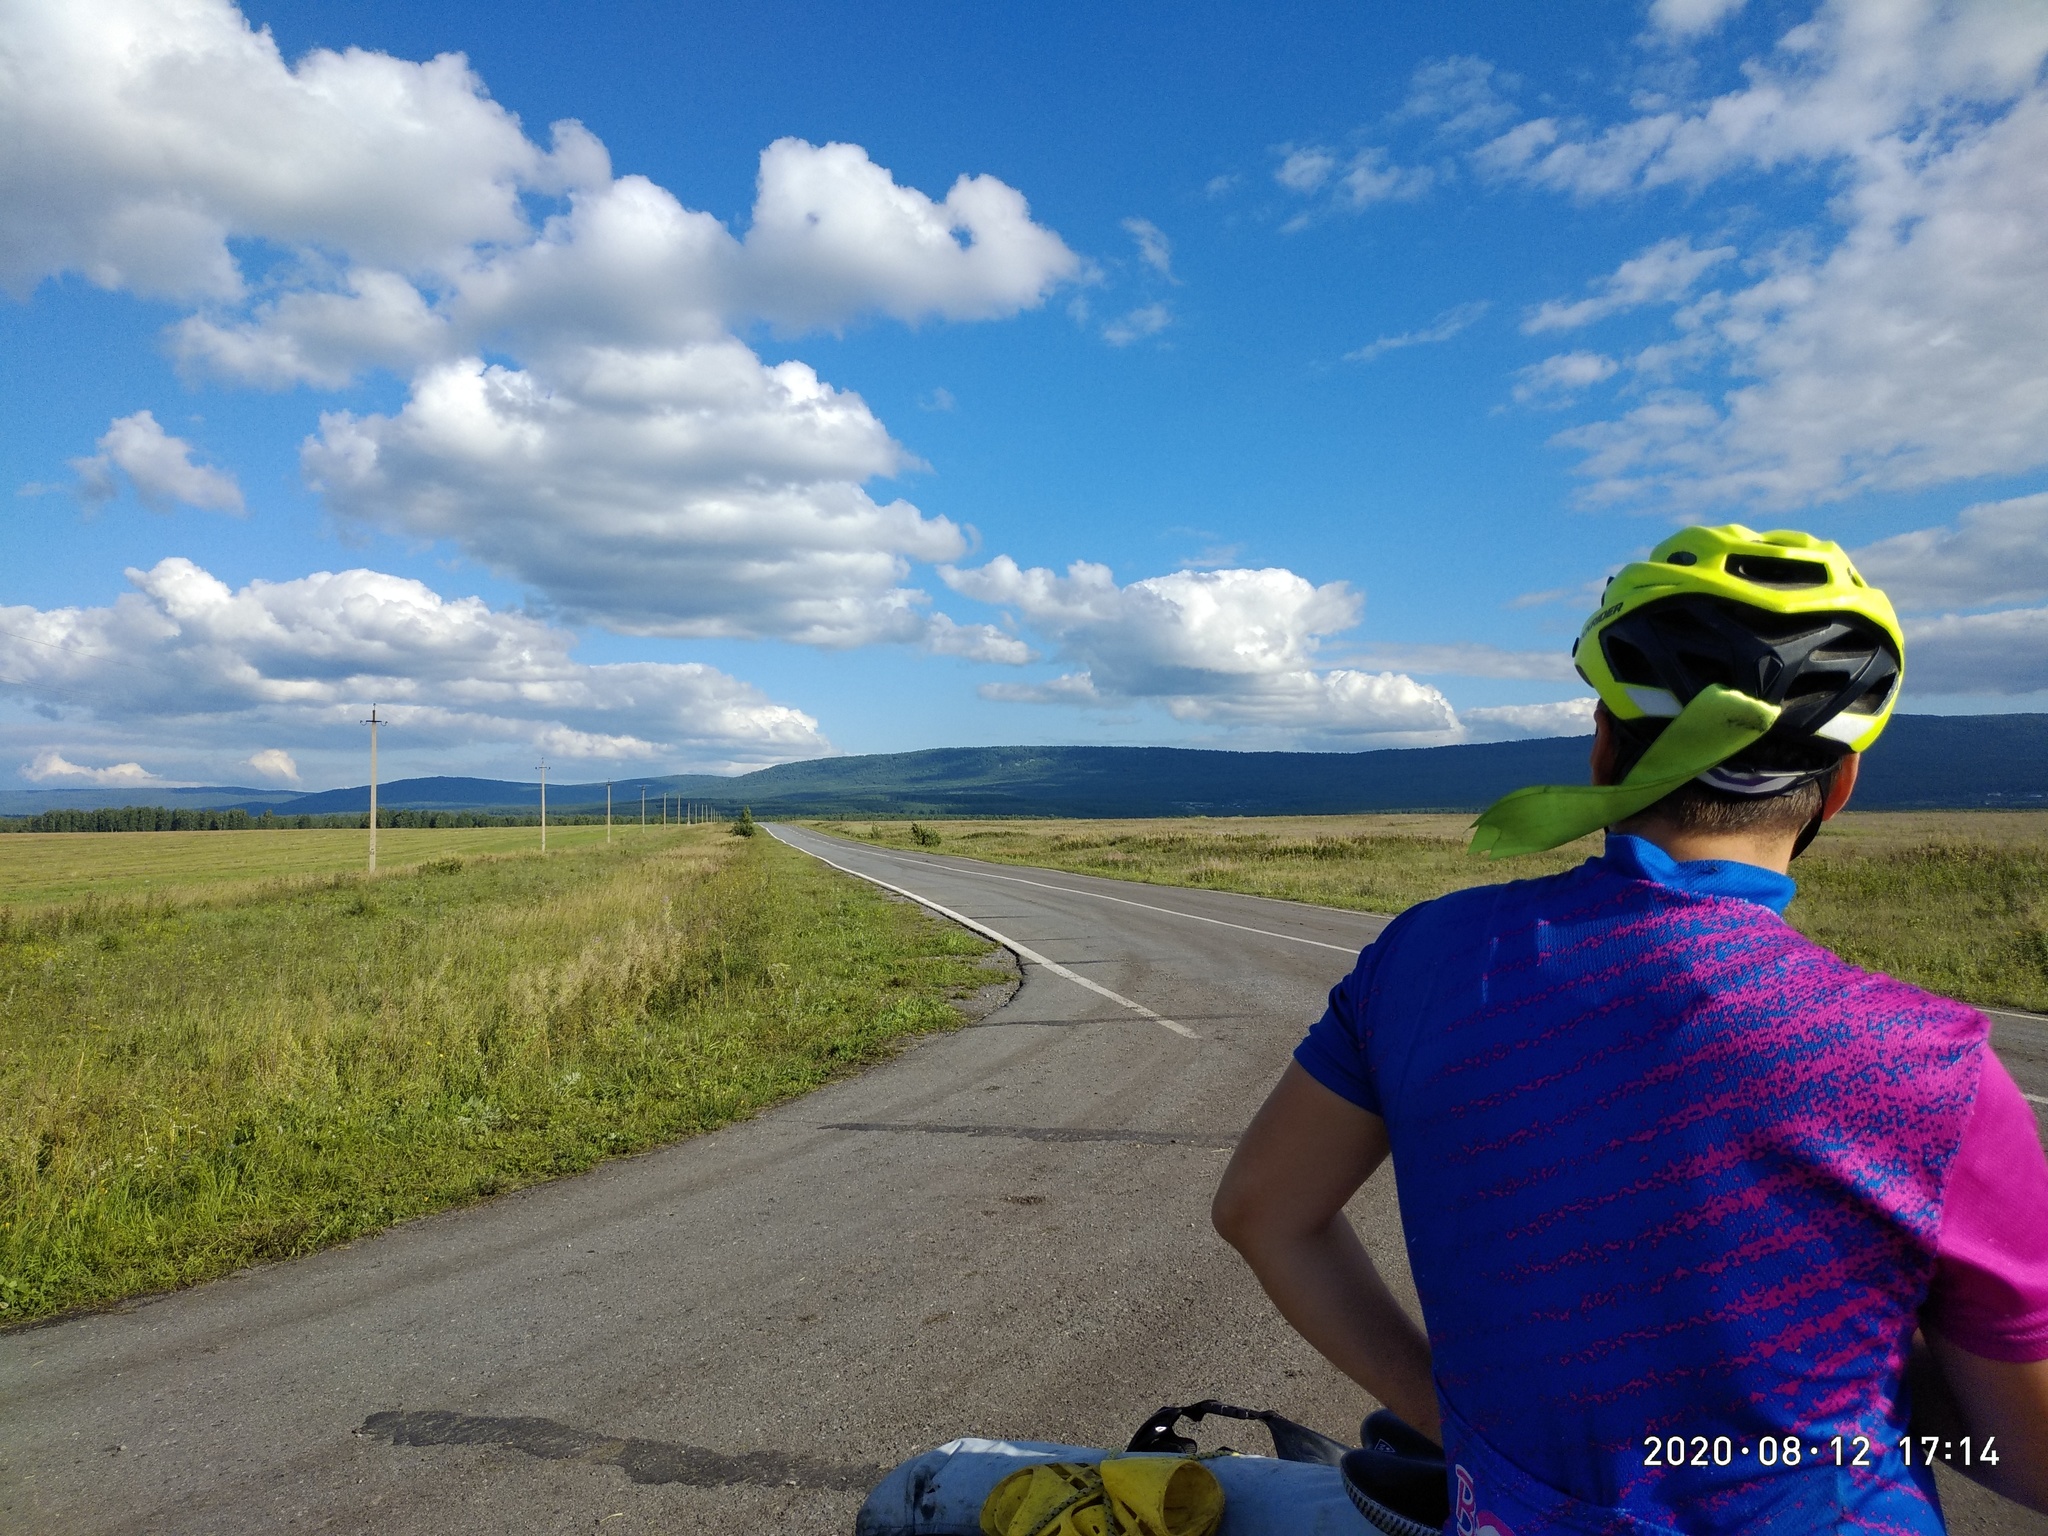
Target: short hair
point(1698, 807)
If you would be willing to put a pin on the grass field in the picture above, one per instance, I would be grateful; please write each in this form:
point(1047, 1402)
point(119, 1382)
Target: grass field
point(42, 867)
point(199, 1069)
point(1956, 901)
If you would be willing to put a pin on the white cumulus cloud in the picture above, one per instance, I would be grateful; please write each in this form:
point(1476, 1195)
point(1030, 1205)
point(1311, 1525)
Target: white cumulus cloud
point(1690, 18)
point(1461, 95)
point(52, 766)
point(688, 492)
point(1516, 722)
point(158, 465)
point(1305, 170)
point(834, 234)
point(193, 662)
point(1233, 648)
point(1558, 378)
point(1154, 249)
point(1146, 320)
point(322, 337)
point(1663, 273)
point(1995, 552)
point(1993, 556)
point(1347, 183)
point(625, 454)
point(143, 135)
point(625, 263)
point(976, 642)
point(1895, 348)
point(275, 763)
point(1470, 659)
point(1978, 653)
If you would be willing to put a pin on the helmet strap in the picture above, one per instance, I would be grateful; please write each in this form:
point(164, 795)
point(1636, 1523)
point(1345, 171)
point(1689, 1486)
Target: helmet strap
point(1820, 813)
point(1717, 724)
point(1807, 834)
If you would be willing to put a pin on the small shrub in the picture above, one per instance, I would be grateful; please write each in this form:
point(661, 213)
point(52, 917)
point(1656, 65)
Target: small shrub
point(924, 837)
point(745, 825)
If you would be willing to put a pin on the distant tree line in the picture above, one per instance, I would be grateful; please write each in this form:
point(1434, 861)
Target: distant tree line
point(162, 818)
point(138, 818)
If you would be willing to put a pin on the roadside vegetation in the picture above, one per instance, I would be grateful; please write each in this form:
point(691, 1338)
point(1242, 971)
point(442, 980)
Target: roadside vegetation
point(38, 868)
point(1955, 901)
point(196, 1074)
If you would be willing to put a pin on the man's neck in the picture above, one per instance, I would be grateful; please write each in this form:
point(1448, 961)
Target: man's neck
point(1767, 850)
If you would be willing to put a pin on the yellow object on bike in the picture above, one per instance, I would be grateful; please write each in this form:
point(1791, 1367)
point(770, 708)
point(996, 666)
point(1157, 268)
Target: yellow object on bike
point(1117, 1496)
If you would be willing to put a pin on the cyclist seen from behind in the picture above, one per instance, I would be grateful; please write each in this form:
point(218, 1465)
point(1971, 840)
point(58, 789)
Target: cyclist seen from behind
point(1704, 1220)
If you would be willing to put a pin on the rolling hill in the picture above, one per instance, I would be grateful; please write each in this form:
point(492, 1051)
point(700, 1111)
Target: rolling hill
point(1928, 762)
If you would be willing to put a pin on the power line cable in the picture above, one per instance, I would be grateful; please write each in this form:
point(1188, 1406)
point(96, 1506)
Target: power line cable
point(69, 650)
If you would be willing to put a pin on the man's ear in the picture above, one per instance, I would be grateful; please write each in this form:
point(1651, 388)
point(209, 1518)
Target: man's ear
point(1606, 753)
point(1841, 786)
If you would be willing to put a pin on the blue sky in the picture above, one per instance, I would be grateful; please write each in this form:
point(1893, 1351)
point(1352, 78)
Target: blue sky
point(674, 387)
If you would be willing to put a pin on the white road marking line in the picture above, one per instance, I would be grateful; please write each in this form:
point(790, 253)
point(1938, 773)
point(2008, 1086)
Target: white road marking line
point(1019, 950)
point(1066, 890)
point(2014, 1013)
point(1124, 901)
point(2027, 1018)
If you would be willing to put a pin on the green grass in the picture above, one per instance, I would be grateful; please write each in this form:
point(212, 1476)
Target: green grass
point(198, 1078)
point(1956, 901)
point(42, 867)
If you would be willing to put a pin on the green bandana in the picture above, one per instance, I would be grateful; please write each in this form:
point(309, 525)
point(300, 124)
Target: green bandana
point(1716, 725)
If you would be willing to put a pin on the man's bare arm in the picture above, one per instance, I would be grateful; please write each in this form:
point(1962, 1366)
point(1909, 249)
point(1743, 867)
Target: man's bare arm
point(1956, 1393)
point(1281, 1205)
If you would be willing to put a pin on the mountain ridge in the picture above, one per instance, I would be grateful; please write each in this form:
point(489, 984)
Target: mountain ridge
point(1924, 762)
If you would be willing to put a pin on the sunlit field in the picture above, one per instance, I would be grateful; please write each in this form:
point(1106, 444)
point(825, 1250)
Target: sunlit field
point(1956, 901)
point(218, 1055)
point(38, 867)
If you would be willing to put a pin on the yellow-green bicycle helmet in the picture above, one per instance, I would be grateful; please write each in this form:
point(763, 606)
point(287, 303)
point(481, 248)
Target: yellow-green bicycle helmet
point(1783, 617)
point(1750, 661)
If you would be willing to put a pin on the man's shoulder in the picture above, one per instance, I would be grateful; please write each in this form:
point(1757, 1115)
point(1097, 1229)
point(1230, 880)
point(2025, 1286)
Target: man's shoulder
point(1670, 929)
point(1504, 900)
point(1884, 1001)
point(1588, 892)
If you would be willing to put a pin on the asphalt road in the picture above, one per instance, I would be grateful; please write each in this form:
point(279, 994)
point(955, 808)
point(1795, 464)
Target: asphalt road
point(1001, 1232)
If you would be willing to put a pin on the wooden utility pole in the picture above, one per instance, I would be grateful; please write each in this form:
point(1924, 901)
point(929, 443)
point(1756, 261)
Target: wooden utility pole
point(543, 767)
point(607, 810)
point(373, 722)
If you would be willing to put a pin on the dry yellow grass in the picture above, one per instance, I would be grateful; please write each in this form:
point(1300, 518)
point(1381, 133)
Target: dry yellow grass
point(37, 868)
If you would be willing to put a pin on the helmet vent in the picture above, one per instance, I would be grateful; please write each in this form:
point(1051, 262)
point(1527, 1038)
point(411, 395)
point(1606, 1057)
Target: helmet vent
point(1816, 690)
point(1774, 571)
point(1628, 664)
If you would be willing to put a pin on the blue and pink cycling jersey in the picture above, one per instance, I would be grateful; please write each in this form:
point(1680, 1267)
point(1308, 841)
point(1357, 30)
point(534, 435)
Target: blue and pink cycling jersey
point(1669, 1171)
